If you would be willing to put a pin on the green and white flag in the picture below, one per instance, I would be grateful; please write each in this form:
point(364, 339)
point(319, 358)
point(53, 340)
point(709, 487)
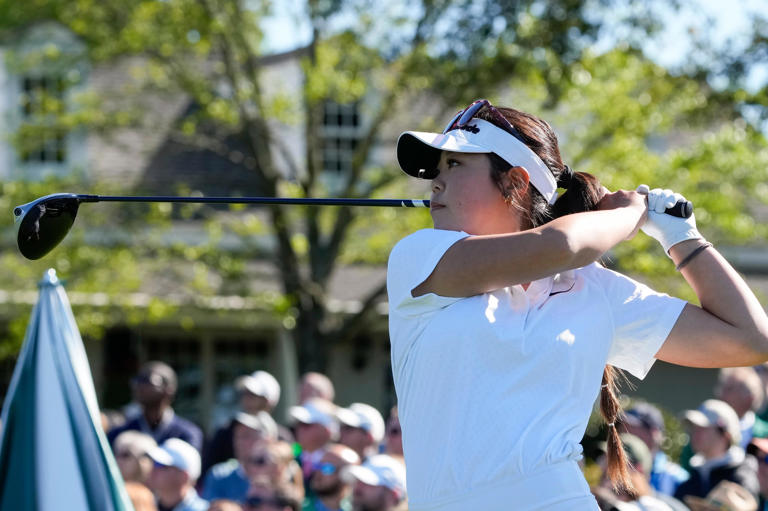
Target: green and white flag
point(53, 452)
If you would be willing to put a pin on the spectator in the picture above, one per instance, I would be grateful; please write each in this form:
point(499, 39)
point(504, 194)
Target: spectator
point(228, 480)
point(726, 496)
point(132, 455)
point(315, 425)
point(111, 419)
point(316, 385)
point(263, 496)
point(645, 498)
point(177, 467)
point(154, 389)
point(759, 449)
point(646, 422)
point(715, 439)
point(141, 496)
point(742, 388)
point(257, 392)
point(394, 435)
point(330, 491)
point(362, 429)
point(379, 484)
point(273, 462)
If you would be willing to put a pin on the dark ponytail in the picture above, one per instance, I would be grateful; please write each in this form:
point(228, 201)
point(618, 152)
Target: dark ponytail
point(582, 193)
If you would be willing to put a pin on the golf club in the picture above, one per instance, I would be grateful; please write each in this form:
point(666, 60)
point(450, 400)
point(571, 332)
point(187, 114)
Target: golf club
point(43, 223)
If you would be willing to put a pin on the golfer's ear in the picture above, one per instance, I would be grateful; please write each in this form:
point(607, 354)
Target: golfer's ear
point(516, 180)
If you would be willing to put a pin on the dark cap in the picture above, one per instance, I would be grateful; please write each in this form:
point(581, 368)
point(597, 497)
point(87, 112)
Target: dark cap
point(645, 415)
point(158, 374)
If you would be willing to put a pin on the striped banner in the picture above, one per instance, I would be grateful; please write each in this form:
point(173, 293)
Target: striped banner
point(53, 452)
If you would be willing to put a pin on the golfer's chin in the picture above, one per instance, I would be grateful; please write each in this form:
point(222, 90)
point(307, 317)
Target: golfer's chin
point(441, 220)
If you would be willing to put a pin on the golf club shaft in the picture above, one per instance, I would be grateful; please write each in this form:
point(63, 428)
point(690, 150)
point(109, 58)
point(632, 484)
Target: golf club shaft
point(404, 203)
point(682, 209)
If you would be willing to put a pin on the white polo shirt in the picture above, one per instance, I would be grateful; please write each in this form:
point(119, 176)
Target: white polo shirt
point(495, 390)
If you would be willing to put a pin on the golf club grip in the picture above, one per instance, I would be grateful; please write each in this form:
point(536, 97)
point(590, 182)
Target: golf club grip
point(682, 209)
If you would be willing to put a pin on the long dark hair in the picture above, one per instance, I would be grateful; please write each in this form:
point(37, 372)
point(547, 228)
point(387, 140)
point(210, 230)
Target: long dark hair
point(583, 192)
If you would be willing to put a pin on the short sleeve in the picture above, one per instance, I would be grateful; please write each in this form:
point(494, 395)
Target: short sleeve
point(411, 261)
point(642, 320)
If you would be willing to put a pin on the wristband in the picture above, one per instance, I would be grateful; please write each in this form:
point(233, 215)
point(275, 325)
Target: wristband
point(693, 254)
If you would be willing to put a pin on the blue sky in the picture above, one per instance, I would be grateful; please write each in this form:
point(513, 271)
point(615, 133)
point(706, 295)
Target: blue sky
point(286, 29)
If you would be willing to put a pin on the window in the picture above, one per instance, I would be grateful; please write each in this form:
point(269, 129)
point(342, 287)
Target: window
point(42, 99)
point(341, 133)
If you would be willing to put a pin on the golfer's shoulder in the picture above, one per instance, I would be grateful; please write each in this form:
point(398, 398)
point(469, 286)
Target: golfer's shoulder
point(423, 243)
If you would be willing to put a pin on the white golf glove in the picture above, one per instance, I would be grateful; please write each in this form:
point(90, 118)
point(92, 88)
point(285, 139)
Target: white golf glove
point(666, 229)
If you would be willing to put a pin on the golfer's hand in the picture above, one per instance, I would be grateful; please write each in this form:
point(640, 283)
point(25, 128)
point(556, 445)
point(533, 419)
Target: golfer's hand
point(632, 202)
point(668, 230)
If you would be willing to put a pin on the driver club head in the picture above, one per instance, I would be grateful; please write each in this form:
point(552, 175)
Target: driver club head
point(44, 222)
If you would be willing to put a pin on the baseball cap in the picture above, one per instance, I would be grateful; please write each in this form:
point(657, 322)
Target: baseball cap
point(645, 415)
point(418, 152)
point(637, 452)
point(158, 374)
point(381, 470)
point(726, 496)
point(315, 411)
point(260, 383)
point(135, 442)
point(363, 416)
point(714, 412)
point(175, 452)
point(261, 422)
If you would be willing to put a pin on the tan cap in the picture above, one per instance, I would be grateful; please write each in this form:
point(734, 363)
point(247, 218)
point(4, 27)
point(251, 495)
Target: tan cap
point(714, 412)
point(726, 496)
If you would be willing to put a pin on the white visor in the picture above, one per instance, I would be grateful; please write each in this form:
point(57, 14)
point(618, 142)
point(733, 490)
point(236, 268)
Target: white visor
point(418, 152)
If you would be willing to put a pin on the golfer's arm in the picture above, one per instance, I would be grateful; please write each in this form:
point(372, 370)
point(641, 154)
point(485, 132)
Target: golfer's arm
point(479, 264)
point(729, 329)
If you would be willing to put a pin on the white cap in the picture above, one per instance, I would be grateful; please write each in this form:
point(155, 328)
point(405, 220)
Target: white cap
point(714, 412)
point(260, 383)
point(175, 452)
point(316, 411)
point(418, 152)
point(135, 442)
point(363, 416)
point(381, 470)
point(261, 422)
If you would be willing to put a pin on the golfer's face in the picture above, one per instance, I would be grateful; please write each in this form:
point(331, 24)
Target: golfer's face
point(465, 198)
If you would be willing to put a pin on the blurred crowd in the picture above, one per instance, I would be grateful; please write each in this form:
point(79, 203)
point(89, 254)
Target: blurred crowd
point(329, 458)
point(723, 467)
point(325, 458)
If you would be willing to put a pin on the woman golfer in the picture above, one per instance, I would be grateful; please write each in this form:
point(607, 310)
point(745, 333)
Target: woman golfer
point(504, 329)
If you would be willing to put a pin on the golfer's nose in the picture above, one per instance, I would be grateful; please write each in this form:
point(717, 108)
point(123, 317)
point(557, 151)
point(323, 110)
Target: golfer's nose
point(437, 185)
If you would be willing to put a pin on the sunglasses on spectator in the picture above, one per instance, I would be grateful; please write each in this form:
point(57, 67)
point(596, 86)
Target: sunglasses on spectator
point(265, 501)
point(327, 469)
point(462, 118)
point(124, 454)
point(259, 461)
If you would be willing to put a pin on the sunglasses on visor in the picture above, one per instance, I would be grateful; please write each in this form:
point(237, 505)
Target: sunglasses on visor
point(462, 118)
